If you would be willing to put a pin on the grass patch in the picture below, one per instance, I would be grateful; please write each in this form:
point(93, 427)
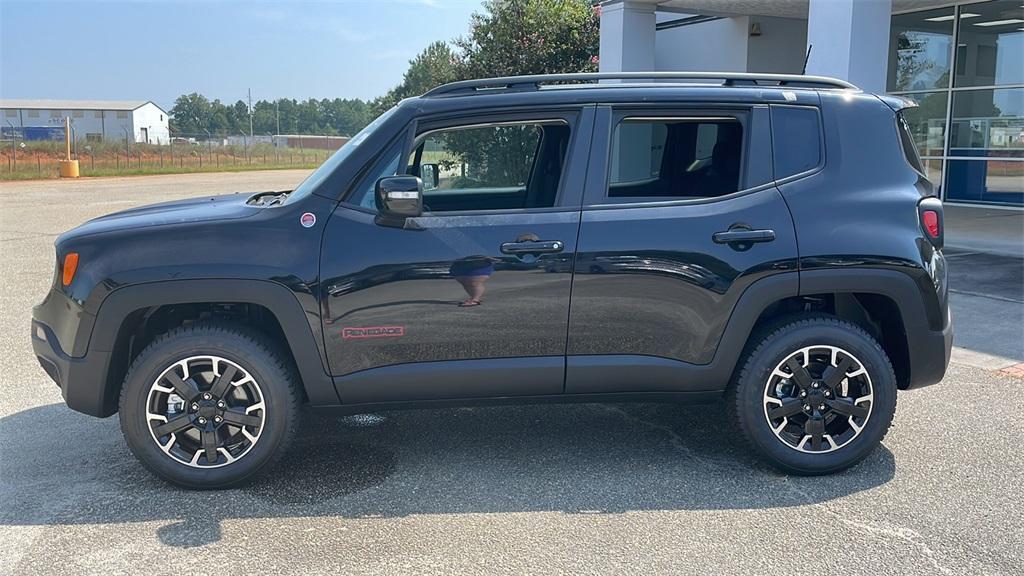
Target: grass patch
point(47, 174)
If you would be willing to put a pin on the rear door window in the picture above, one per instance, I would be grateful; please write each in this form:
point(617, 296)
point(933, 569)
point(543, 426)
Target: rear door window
point(676, 158)
point(796, 140)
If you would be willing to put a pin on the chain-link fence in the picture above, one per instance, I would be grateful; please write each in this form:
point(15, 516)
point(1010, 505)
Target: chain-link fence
point(28, 153)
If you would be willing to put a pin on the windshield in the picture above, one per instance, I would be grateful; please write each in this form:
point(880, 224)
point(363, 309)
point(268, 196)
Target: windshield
point(320, 174)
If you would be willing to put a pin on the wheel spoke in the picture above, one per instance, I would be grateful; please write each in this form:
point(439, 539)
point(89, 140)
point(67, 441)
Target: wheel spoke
point(847, 408)
point(800, 375)
point(220, 385)
point(788, 407)
point(834, 374)
point(172, 426)
point(241, 418)
point(815, 428)
point(209, 438)
point(187, 389)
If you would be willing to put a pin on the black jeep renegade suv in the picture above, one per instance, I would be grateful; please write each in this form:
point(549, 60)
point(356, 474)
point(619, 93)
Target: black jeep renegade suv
point(766, 240)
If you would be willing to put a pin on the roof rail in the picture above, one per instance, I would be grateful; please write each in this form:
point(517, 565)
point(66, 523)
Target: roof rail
point(529, 83)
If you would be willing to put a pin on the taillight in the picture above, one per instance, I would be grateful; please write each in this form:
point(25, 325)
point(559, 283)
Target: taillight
point(70, 267)
point(930, 219)
point(929, 211)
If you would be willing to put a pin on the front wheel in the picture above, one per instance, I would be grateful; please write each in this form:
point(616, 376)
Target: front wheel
point(209, 406)
point(814, 396)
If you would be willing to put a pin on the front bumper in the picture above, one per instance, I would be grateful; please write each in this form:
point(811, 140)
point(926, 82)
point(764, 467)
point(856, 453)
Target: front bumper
point(88, 373)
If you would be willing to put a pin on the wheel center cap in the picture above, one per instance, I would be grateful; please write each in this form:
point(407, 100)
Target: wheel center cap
point(816, 398)
point(207, 409)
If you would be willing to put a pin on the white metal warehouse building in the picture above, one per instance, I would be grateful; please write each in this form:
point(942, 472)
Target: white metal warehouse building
point(94, 120)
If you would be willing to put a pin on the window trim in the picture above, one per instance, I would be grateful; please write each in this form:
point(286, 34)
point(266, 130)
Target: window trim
point(571, 116)
point(822, 146)
point(742, 114)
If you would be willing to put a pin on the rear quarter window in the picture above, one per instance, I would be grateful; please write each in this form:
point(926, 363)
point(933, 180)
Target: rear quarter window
point(907, 143)
point(796, 140)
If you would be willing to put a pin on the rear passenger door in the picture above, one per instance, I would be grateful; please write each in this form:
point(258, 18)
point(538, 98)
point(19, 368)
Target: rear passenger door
point(680, 216)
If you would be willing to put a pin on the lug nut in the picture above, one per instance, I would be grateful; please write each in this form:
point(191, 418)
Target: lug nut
point(201, 420)
point(807, 407)
point(803, 393)
point(828, 394)
point(221, 405)
point(821, 407)
point(217, 419)
point(195, 406)
point(814, 385)
point(207, 396)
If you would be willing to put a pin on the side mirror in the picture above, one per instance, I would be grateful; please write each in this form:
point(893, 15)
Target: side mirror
point(431, 176)
point(398, 198)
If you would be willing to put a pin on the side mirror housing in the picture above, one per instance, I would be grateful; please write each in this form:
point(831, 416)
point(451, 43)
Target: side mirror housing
point(398, 198)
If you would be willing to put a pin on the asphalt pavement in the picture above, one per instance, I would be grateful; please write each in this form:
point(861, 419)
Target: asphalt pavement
point(590, 488)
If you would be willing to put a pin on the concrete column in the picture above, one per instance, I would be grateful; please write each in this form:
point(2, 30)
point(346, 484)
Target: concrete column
point(850, 40)
point(627, 37)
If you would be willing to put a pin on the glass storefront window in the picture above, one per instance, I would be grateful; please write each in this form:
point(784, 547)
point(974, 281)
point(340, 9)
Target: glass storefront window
point(988, 123)
point(928, 122)
point(992, 181)
point(990, 44)
point(969, 122)
point(919, 49)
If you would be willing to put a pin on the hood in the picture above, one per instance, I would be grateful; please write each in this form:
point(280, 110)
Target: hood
point(204, 209)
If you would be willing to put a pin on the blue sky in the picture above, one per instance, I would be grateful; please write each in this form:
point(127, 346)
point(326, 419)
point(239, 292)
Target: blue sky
point(157, 50)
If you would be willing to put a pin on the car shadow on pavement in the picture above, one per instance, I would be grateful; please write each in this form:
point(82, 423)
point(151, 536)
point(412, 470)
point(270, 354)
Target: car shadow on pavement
point(59, 468)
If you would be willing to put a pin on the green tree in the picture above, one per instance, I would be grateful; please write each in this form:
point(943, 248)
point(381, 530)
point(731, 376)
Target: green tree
point(437, 64)
point(190, 113)
point(513, 37)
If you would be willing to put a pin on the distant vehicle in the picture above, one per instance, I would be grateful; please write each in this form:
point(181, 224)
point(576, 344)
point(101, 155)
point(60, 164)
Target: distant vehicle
point(768, 241)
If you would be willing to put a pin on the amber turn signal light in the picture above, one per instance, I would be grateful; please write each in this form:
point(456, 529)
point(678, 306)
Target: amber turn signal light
point(70, 267)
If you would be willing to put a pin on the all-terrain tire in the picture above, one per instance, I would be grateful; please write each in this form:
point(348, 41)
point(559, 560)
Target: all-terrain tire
point(258, 356)
point(768, 348)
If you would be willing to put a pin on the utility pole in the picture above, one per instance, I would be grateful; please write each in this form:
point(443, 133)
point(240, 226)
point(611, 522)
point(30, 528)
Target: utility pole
point(277, 112)
point(14, 145)
point(251, 134)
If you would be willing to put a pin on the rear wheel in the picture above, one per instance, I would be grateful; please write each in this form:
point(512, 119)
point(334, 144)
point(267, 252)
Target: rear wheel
point(814, 395)
point(209, 406)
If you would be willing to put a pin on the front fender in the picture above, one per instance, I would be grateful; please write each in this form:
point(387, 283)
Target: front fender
point(300, 327)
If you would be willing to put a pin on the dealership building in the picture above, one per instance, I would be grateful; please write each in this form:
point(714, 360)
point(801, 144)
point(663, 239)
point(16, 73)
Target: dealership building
point(962, 62)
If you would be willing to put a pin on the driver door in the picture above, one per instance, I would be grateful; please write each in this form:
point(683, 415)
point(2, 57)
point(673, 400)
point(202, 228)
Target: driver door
point(471, 299)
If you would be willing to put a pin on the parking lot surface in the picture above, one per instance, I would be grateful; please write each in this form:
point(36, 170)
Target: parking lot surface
point(590, 488)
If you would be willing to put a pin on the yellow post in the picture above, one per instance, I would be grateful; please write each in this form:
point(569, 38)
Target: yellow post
point(68, 167)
